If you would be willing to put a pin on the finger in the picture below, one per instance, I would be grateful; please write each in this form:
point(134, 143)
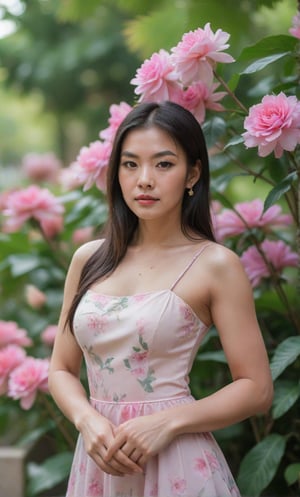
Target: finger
point(135, 455)
point(107, 468)
point(122, 462)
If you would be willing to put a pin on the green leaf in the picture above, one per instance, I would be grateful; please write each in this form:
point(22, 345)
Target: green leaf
point(213, 130)
point(286, 353)
point(285, 395)
point(260, 64)
point(260, 465)
point(268, 46)
point(279, 190)
point(217, 356)
point(23, 263)
point(292, 473)
point(234, 141)
point(53, 471)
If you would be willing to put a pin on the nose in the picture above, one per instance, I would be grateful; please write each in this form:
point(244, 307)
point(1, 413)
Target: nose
point(145, 180)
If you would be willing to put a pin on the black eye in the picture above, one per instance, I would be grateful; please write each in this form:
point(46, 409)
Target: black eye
point(164, 165)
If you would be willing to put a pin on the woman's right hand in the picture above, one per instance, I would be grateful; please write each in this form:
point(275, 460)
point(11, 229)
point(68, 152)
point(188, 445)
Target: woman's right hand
point(98, 434)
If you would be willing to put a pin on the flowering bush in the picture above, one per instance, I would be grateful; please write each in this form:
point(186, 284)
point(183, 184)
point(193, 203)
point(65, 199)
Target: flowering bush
point(256, 139)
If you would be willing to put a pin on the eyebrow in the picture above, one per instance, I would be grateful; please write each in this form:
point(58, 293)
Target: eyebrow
point(162, 153)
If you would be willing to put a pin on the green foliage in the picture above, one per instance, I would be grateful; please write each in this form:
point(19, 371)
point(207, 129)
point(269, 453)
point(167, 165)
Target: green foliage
point(45, 476)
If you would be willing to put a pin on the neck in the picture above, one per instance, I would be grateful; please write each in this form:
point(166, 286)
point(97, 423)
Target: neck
point(156, 235)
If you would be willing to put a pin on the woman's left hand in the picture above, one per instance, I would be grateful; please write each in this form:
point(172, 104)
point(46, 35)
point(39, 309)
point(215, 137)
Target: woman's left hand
point(141, 438)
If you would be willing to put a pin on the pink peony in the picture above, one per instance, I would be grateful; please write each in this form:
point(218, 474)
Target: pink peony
point(117, 115)
point(68, 177)
point(295, 29)
point(156, 78)
point(11, 334)
point(197, 53)
point(41, 167)
point(92, 163)
point(273, 125)
point(49, 334)
point(32, 202)
point(11, 356)
point(199, 97)
point(249, 215)
point(27, 379)
point(277, 253)
point(34, 297)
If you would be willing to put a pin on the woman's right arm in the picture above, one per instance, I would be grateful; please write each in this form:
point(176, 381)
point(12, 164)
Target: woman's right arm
point(65, 385)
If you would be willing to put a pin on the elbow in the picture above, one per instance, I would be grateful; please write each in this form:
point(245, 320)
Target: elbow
point(264, 399)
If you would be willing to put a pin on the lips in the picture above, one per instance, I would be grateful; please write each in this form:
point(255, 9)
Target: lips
point(146, 197)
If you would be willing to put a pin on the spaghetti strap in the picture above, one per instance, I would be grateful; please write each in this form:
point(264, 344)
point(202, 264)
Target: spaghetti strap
point(195, 257)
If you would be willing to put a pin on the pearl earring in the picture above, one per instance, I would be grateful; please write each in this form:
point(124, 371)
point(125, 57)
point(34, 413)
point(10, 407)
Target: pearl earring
point(191, 192)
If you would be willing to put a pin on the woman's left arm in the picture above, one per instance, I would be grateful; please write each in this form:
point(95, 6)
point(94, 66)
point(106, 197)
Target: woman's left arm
point(233, 313)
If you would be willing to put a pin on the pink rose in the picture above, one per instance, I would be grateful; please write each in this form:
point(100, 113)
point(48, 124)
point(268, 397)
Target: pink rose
point(295, 29)
point(277, 253)
point(117, 115)
point(249, 215)
point(27, 379)
point(92, 163)
point(156, 78)
point(199, 97)
point(41, 167)
point(196, 54)
point(10, 333)
point(49, 334)
point(11, 356)
point(34, 297)
point(32, 202)
point(273, 125)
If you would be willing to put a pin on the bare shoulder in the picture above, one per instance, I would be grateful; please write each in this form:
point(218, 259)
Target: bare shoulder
point(85, 251)
point(220, 261)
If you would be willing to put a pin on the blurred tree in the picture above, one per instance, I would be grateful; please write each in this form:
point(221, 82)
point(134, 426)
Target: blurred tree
point(79, 68)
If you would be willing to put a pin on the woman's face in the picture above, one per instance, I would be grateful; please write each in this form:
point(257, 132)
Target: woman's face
point(153, 173)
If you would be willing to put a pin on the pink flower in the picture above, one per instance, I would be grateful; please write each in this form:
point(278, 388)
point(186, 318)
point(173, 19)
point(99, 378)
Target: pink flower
point(128, 412)
point(249, 215)
point(82, 235)
point(11, 334)
point(199, 97)
point(92, 163)
point(34, 297)
point(273, 125)
point(202, 466)
point(156, 78)
point(32, 202)
point(117, 115)
point(41, 167)
point(277, 253)
point(27, 379)
point(196, 54)
point(178, 486)
point(11, 356)
point(295, 29)
point(49, 334)
point(68, 177)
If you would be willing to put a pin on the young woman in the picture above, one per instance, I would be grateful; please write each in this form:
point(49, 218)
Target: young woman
point(137, 306)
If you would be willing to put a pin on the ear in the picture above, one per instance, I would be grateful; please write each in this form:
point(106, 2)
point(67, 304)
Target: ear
point(194, 174)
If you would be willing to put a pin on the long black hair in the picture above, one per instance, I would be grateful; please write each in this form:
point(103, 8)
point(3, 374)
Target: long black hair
point(122, 223)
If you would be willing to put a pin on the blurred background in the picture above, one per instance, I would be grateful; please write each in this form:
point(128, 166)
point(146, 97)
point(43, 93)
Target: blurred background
point(63, 62)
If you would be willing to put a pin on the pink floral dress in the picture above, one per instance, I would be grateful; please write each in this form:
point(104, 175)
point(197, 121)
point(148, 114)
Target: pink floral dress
point(139, 351)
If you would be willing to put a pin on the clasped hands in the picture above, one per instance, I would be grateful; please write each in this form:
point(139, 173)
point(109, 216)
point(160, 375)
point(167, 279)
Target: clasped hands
point(125, 449)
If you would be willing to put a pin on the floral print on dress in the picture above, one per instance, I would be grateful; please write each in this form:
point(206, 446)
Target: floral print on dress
point(190, 325)
point(178, 486)
point(95, 488)
point(137, 364)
